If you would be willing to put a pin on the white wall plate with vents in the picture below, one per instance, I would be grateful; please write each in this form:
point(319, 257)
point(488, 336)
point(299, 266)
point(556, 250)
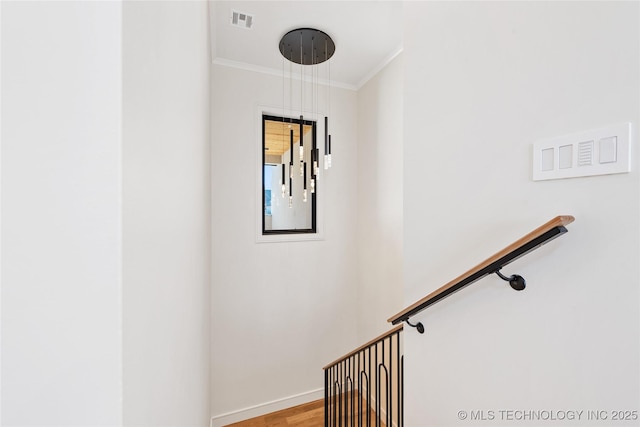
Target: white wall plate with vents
point(601, 151)
point(241, 19)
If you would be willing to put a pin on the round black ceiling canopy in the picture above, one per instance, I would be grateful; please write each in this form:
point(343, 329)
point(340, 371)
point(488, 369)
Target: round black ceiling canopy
point(307, 46)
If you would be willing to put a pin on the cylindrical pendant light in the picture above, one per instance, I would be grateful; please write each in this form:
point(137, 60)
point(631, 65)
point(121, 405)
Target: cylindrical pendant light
point(282, 182)
point(301, 143)
point(291, 168)
point(326, 142)
point(304, 183)
point(290, 154)
point(301, 139)
point(314, 167)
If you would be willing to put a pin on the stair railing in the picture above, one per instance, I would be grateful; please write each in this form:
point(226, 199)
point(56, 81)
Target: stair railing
point(364, 387)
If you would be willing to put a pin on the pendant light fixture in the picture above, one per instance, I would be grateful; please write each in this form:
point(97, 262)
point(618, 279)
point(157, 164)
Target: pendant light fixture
point(308, 47)
point(291, 168)
point(282, 182)
point(304, 181)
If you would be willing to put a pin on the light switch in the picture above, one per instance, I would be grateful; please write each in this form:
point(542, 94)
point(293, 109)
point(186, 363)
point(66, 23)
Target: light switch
point(601, 151)
point(547, 160)
point(608, 149)
point(565, 160)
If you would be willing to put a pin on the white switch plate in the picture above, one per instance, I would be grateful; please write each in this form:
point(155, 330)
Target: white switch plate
point(596, 152)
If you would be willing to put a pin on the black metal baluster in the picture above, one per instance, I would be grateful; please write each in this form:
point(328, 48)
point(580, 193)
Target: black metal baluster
point(390, 398)
point(377, 389)
point(358, 388)
point(336, 397)
point(349, 395)
point(369, 390)
point(333, 397)
point(383, 366)
point(382, 369)
point(402, 389)
point(363, 397)
point(353, 392)
point(344, 393)
point(326, 398)
point(399, 378)
point(339, 402)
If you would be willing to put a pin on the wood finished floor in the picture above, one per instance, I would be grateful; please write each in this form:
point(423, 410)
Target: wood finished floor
point(307, 415)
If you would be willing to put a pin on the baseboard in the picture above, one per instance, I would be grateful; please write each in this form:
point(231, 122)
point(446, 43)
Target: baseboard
point(266, 408)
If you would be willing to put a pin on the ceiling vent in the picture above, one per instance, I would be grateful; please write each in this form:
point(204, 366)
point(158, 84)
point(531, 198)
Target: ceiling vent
point(241, 19)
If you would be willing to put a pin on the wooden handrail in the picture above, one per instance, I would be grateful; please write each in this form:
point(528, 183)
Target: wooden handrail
point(363, 346)
point(493, 264)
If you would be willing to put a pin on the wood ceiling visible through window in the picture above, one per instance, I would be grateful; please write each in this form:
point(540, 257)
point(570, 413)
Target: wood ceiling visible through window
point(277, 136)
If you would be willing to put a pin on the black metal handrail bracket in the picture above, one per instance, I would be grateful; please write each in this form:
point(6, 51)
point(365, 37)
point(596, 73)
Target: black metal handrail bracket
point(538, 237)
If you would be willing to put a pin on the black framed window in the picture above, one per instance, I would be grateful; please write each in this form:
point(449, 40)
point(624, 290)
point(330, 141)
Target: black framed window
point(289, 170)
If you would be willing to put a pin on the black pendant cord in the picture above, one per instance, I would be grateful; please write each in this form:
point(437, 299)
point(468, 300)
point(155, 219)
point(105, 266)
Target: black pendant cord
point(516, 281)
point(419, 326)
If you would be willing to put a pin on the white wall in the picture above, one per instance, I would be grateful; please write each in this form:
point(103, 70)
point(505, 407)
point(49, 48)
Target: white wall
point(166, 205)
point(380, 160)
point(61, 227)
point(280, 311)
point(483, 81)
point(105, 214)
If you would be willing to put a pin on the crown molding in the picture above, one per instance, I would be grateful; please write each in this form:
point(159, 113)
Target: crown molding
point(379, 67)
point(278, 73)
